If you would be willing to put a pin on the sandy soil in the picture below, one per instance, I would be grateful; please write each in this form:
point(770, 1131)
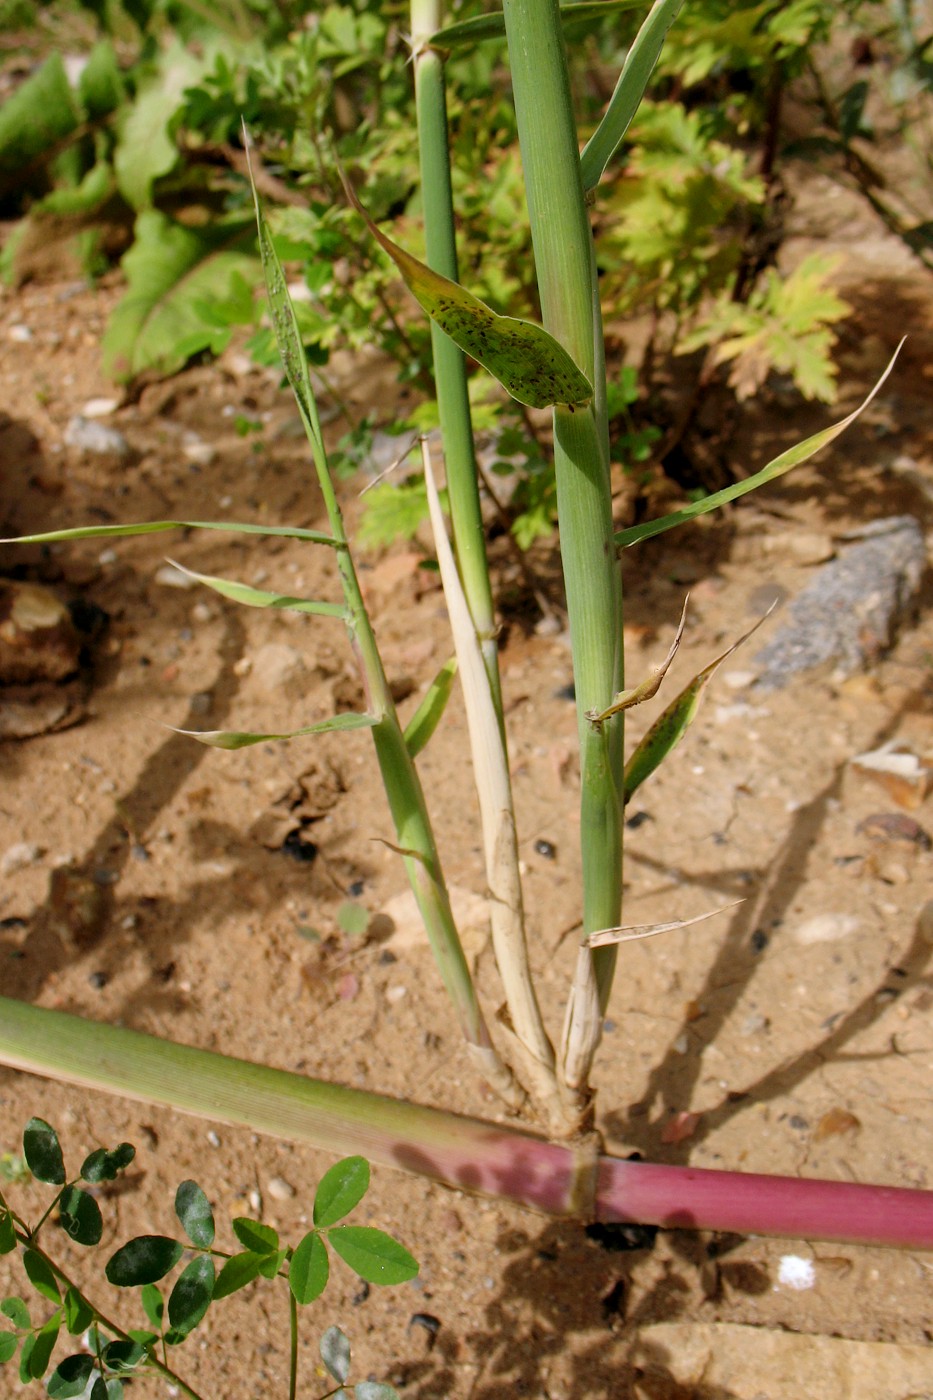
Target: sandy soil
point(799, 1056)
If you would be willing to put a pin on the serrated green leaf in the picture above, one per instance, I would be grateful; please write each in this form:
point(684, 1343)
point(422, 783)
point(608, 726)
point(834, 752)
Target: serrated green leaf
point(36, 117)
point(40, 1275)
point(106, 1165)
point(153, 1305)
point(8, 1345)
point(335, 1353)
point(151, 527)
point(190, 1299)
point(373, 1254)
point(17, 1311)
point(791, 458)
point(233, 739)
point(170, 270)
point(7, 1233)
point(70, 1377)
point(340, 1189)
point(237, 1272)
point(78, 1312)
point(79, 1216)
point(260, 598)
point(308, 1269)
point(427, 716)
point(528, 362)
point(44, 1344)
point(145, 1259)
point(43, 1152)
point(194, 1211)
point(254, 1235)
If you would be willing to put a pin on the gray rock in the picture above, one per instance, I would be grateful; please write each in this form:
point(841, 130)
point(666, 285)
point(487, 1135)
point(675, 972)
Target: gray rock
point(90, 435)
point(849, 615)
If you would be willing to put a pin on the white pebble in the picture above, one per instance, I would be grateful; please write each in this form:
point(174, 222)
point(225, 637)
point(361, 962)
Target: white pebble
point(18, 857)
point(213, 1138)
point(20, 334)
point(396, 993)
point(280, 1189)
point(100, 408)
point(796, 1272)
point(827, 928)
point(107, 556)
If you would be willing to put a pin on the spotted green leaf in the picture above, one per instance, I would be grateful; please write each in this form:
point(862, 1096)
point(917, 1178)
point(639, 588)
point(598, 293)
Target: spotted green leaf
point(526, 360)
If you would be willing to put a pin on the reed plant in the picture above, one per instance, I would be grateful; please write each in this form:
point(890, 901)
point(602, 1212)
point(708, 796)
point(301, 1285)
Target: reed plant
point(550, 1154)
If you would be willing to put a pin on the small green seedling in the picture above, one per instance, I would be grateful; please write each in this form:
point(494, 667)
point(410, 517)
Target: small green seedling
point(108, 1354)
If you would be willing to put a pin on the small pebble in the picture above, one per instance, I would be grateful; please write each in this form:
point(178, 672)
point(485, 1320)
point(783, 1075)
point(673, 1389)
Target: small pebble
point(547, 849)
point(255, 1200)
point(213, 1138)
point(100, 408)
point(394, 994)
point(280, 1189)
point(89, 435)
point(107, 556)
point(19, 334)
point(796, 1273)
point(17, 857)
point(827, 928)
point(99, 980)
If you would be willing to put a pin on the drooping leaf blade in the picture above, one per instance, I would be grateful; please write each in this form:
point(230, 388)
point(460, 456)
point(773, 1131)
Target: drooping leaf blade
point(152, 527)
point(145, 1259)
point(629, 90)
point(630, 933)
point(787, 460)
point(492, 26)
point(260, 598)
point(428, 714)
point(308, 1269)
point(528, 362)
point(340, 1189)
point(190, 1299)
point(373, 1254)
point(43, 1152)
point(235, 739)
point(80, 1217)
point(194, 1211)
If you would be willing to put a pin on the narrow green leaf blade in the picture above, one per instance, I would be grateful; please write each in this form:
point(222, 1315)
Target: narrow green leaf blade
point(237, 1272)
point(309, 1269)
point(190, 1299)
point(492, 26)
point(528, 362)
point(80, 1217)
point(428, 714)
point(43, 1152)
point(254, 1235)
point(40, 1275)
point(373, 1254)
point(234, 739)
point(145, 1259)
point(104, 1165)
point(154, 527)
point(335, 1353)
point(629, 90)
point(340, 1189)
point(260, 598)
point(7, 1233)
point(194, 1211)
point(791, 458)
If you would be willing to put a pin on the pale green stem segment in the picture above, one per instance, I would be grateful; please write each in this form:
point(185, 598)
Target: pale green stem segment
point(564, 262)
point(449, 364)
point(399, 775)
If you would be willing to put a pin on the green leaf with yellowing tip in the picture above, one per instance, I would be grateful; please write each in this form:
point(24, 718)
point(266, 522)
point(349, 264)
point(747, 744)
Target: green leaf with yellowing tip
point(669, 728)
point(259, 598)
point(791, 458)
point(528, 362)
point(235, 739)
point(427, 716)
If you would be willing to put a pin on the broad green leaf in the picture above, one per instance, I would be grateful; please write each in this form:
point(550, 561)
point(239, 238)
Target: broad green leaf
point(629, 90)
point(374, 1390)
point(259, 598)
point(237, 1272)
point(669, 728)
point(70, 1377)
point(190, 1299)
point(427, 716)
point(233, 739)
point(308, 1269)
point(44, 1344)
point(8, 1345)
point(153, 1305)
point(43, 1152)
point(335, 1353)
point(528, 362)
point(7, 1233)
point(194, 1211)
point(40, 1275)
point(152, 527)
point(146, 149)
point(78, 1312)
point(39, 114)
point(254, 1235)
point(171, 270)
point(18, 1313)
point(373, 1254)
point(106, 1165)
point(492, 26)
point(123, 1356)
point(79, 1216)
point(145, 1259)
point(101, 87)
point(791, 458)
point(340, 1189)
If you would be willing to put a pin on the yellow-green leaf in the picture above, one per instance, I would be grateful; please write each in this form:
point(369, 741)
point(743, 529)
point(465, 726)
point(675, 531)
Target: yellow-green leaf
point(259, 597)
point(427, 716)
point(526, 360)
point(237, 739)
